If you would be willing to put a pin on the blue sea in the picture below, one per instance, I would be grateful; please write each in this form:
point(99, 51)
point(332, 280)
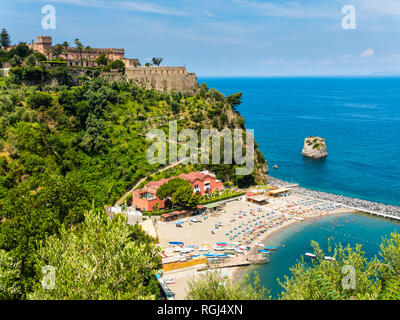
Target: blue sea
point(360, 120)
point(358, 117)
point(294, 241)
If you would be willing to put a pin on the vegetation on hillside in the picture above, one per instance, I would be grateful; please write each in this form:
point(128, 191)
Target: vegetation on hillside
point(67, 149)
point(99, 261)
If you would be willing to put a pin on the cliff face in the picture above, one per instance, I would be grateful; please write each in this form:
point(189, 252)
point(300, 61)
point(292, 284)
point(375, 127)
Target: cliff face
point(315, 148)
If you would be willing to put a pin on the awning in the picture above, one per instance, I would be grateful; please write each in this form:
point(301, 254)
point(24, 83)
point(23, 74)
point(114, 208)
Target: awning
point(278, 191)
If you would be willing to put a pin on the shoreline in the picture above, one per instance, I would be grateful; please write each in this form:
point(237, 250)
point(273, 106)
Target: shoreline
point(353, 203)
point(238, 272)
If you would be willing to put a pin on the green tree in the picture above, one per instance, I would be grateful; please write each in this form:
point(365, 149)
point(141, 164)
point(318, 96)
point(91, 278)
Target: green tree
point(80, 47)
point(94, 138)
point(57, 50)
point(39, 99)
point(203, 90)
point(99, 261)
point(214, 286)
point(182, 196)
point(16, 61)
point(30, 60)
point(157, 61)
point(167, 189)
point(234, 100)
point(118, 65)
point(9, 277)
point(323, 281)
point(65, 45)
point(5, 41)
point(102, 60)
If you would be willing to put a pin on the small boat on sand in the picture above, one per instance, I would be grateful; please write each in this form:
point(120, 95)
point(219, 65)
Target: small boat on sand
point(311, 255)
point(259, 245)
point(169, 281)
point(264, 251)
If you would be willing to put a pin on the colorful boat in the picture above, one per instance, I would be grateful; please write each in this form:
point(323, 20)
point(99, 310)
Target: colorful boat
point(264, 251)
point(270, 248)
point(259, 245)
point(176, 243)
point(169, 281)
point(329, 258)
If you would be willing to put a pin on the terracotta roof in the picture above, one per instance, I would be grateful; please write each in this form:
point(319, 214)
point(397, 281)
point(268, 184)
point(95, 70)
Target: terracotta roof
point(152, 186)
point(157, 184)
point(193, 176)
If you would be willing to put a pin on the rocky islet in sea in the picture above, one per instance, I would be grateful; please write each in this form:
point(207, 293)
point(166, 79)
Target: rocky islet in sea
point(314, 147)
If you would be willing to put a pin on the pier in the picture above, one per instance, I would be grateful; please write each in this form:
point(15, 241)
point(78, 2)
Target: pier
point(240, 261)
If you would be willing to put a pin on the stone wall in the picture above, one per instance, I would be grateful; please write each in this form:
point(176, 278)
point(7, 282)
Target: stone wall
point(164, 78)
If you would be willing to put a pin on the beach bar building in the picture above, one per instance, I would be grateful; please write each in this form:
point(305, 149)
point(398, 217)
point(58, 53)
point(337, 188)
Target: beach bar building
point(258, 199)
point(176, 215)
point(279, 192)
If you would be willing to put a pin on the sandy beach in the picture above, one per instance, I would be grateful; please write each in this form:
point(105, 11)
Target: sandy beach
point(237, 223)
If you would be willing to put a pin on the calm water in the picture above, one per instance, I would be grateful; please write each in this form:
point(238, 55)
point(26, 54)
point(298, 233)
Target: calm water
point(294, 241)
point(359, 118)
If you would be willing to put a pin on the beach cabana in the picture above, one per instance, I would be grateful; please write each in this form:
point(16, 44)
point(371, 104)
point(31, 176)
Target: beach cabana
point(278, 192)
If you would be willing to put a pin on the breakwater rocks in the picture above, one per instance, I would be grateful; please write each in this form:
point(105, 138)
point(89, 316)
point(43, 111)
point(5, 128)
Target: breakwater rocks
point(348, 201)
point(314, 147)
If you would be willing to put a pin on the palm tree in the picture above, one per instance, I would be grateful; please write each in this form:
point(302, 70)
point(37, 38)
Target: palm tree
point(48, 53)
point(65, 52)
point(79, 46)
point(157, 61)
point(57, 50)
point(88, 50)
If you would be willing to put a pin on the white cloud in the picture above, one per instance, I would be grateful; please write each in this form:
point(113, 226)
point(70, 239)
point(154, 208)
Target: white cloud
point(124, 5)
point(381, 7)
point(289, 9)
point(367, 53)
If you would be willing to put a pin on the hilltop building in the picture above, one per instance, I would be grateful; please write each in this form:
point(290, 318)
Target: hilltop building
point(152, 77)
point(86, 58)
point(145, 199)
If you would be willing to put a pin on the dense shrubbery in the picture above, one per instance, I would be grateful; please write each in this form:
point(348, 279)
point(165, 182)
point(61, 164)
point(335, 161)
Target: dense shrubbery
point(67, 149)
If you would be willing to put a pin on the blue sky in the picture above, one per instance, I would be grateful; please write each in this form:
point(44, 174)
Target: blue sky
point(227, 37)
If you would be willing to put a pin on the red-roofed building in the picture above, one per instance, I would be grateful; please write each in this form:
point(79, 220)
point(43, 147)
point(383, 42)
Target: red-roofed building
point(145, 199)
